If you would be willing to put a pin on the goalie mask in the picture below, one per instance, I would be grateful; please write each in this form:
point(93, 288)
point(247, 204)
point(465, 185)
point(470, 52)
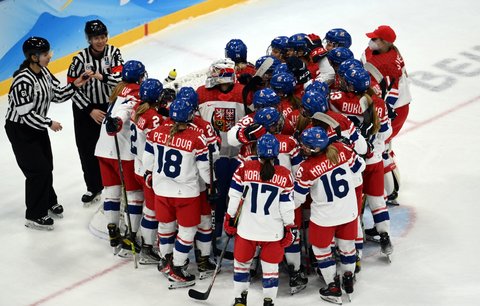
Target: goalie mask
point(220, 72)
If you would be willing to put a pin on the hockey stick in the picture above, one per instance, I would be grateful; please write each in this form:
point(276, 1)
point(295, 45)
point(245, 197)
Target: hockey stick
point(204, 295)
point(255, 81)
point(212, 204)
point(124, 195)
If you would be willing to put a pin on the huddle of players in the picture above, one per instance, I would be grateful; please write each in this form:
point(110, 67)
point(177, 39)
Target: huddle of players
point(304, 143)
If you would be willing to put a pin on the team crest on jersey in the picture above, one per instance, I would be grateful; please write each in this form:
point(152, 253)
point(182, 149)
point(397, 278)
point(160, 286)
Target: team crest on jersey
point(224, 118)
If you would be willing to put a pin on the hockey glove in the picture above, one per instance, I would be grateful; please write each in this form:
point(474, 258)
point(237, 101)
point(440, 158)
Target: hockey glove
point(229, 226)
point(113, 125)
point(244, 78)
point(250, 133)
point(317, 54)
point(212, 195)
point(365, 129)
point(148, 177)
point(291, 232)
point(392, 114)
point(298, 69)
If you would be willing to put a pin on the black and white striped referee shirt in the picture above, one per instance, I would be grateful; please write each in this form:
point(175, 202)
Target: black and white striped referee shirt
point(30, 97)
point(109, 64)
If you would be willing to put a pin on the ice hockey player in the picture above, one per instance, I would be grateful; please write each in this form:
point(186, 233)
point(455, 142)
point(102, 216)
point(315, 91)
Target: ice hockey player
point(265, 219)
point(220, 102)
point(328, 175)
point(145, 118)
point(175, 158)
point(278, 47)
point(117, 127)
point(368, 112)
point(236, 50)
point(203, 238)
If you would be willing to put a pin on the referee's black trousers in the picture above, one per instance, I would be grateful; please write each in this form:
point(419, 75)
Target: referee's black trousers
point(33, 153)
point(87, 132)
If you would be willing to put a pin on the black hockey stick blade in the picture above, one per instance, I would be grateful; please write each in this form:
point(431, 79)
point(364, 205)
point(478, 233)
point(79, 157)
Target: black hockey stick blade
point(195, 294)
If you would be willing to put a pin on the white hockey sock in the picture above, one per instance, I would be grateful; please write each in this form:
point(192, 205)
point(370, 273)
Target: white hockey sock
point(203, 238)
point(149, 226)
point(270, 279)
point(166, 236)
point(183, 244)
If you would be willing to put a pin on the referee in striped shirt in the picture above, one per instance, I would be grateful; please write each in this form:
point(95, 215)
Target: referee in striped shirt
point(91, 102)
point(34, 87)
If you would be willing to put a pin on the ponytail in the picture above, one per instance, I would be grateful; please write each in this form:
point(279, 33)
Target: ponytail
point(332, 154)
point(176, 127)
point(294, 101)
point(116, 91)
point(22, 66)
point(141, 109)
point(302, 123)
point(268, 169)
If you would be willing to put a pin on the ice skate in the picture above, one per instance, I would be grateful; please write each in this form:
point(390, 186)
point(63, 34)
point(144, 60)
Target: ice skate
point(126, 250)
point(148, 256)
point(56, 211)
point(268, 302)
point(164, 264)
point(90, 198)
point(298, 280)
point(242, 300)
point(371, 234)
point(392, 199)
point(347, 284)
point(386, 245)
point(180, 278)
point(114, 236)
point(206, 267)
point(332, 293)
point(44, 223)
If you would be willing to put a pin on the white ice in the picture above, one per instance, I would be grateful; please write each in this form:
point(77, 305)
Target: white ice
point(435, 261)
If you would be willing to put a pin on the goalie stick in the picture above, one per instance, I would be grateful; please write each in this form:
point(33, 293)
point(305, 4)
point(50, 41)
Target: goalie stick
point(255, 81)
point(195, 294)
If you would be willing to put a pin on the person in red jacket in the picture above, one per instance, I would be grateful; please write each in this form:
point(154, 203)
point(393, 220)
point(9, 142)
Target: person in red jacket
point(385, 63)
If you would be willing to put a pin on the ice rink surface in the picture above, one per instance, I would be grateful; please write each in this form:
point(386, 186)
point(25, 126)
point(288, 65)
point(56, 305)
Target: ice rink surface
point(435, 261)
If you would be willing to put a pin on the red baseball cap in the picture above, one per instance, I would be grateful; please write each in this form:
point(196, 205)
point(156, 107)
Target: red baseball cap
point(383, 32)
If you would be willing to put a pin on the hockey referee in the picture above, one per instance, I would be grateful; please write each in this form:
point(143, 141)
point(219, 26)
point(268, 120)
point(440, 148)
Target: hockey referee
point(91, 102)
point(33, 88)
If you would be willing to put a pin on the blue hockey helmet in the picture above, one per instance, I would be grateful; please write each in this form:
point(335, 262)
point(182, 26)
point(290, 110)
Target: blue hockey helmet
point(338, 38)
point(358, 78)
point(298, 42)
point(189, 94)
point(280, 43)
point(338, 55)
point(270, 70)
point(283, 83)
point(150, 90)
point(133, 71)
point(268, 146)
point(282, 67)
point(268, 117)
point(348, 64)
point(264, 98)
point(320, 87)
point(314, 102)
point(314, 138)
point(236, 50)
point(181, 110)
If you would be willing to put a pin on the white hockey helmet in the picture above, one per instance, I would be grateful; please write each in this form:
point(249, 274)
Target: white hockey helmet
point(221, 71)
